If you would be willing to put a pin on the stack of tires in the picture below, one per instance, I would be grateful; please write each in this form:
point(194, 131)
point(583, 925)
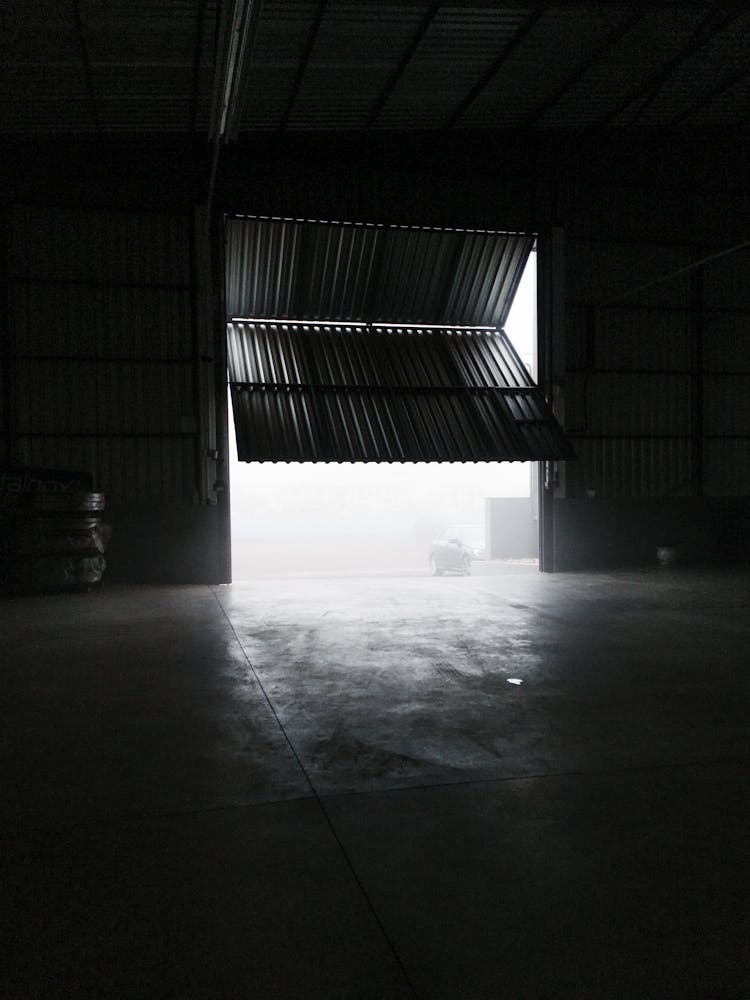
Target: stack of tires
point(60, 542)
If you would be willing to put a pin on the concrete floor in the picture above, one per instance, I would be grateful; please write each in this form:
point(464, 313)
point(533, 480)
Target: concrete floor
point(329, 788)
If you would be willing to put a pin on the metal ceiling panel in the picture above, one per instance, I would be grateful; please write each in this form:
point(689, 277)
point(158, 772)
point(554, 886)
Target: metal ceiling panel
point(148, 67)
point(655, 40)
point(725, 57)
point(518, 87)
point(459, 46)
point(338, 272)
point(319, 393)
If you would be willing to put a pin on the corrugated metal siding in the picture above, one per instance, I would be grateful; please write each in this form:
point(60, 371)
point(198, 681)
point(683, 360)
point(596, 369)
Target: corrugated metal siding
point(640, 405)
point(285, 269)
point(726, 358)
point(608, 273)
point(655, 392)
point(631, 396)
point(100, 308)
point(348, 394)
point(725, 281)
point(727, 405)
point(726, 338)
point(631, 467)
point(727, 467)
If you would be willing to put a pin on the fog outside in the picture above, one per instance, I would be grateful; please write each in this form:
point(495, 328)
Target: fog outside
point(310, 518)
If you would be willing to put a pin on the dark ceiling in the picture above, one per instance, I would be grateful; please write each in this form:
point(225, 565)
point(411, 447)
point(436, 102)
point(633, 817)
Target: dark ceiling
point(205, 69)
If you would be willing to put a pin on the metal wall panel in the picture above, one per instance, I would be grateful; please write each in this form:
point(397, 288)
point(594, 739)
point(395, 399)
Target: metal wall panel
point(137, 471)
point(288, 269)
point(99, 246)
point(658, 365)
point(605, 273)
point(633, 404)
point(107, 321)
point(631, 467)
point(80, 397)
point(727, 405)
point(102, 356)
point(640, 405)
point(725, 281)
point(648, 338)
point(727, 467)
point(726, 342)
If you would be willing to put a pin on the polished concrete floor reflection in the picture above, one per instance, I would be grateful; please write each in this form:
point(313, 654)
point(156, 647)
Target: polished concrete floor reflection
point(511, 785)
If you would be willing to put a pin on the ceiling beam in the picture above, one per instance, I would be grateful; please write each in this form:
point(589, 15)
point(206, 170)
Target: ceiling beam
point(303, 64)
point(714, 22)
point(611, 41)
point(402, 64)
point(495, 67)
point(87, 74)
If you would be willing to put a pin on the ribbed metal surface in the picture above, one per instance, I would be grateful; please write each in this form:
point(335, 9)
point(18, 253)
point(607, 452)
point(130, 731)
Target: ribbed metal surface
point(101, 362)
point(102, 398)
point(724, 282)
point(640, 404)
point(727, 467)
point(99, 246)
point(631, 467)
point(141, 64)
point(284, 269)
point(560, 41)
point(722, 57)
point(149, 66)
point(727, 405)
point(136, 471)
point(104, 322)
point(635, 274)
point(459, 47)
point(352, 55)
point(649, 338)
point(655, 40)
point(348, 394)
point(726, 344)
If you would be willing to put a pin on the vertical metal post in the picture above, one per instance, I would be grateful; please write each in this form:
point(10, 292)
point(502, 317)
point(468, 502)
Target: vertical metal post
point(6, 345)
point(551, 362)
point(199, 450)
point(697, 429)
point(219, 325)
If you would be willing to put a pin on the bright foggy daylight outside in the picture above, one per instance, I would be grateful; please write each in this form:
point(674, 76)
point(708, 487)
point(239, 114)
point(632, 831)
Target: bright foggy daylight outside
point(316, 518)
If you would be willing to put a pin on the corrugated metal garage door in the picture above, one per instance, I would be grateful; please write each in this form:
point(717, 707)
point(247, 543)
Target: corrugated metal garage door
point(379, 344)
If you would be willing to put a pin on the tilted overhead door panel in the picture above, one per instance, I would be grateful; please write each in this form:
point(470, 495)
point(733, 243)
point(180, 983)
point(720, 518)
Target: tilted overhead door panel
point(349, 272)
point(347, 393)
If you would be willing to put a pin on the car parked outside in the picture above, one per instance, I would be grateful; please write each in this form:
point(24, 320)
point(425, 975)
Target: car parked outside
point(456, 548)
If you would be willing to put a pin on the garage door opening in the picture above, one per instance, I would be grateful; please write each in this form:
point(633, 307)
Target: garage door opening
point(390, 518)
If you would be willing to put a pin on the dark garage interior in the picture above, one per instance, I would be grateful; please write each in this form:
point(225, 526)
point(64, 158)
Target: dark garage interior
point(521, 783)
